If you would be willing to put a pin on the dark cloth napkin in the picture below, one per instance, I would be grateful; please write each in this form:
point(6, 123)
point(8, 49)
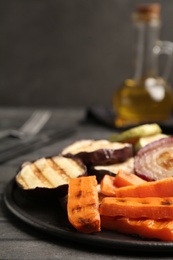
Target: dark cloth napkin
point(106, 116)
point(11, 148)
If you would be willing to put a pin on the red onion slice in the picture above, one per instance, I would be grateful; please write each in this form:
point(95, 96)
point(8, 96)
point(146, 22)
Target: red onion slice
point(155, 160)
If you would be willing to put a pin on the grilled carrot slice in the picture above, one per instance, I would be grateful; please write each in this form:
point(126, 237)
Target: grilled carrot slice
point(83, 203)
point(160, 188)
point(107, 186)
point(154, 208)
point(148, 228)
point(125, 178)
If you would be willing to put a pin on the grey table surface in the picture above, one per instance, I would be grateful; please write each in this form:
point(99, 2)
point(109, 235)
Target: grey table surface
point(18, 240)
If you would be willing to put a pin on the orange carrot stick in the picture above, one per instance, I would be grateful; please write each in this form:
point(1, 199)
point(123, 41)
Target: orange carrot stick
point(149, 228)
point(154, 208)
point(107, 186)
point(125, 178)
point(160, 188)
point(83, 203)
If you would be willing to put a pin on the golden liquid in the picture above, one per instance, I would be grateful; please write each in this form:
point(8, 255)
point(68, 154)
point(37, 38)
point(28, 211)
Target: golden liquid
point(138, 102)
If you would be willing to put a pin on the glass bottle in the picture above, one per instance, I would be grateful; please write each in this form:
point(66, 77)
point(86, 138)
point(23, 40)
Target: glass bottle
point(146, 97)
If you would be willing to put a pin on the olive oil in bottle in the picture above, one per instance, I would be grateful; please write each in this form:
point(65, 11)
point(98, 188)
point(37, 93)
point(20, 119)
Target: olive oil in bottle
point(146, 97)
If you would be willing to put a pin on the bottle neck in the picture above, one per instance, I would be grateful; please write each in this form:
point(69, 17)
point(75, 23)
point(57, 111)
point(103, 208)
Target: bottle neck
point(146, 35)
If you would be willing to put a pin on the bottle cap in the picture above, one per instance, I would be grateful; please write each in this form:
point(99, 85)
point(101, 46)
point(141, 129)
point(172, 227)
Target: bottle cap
point(147, 12)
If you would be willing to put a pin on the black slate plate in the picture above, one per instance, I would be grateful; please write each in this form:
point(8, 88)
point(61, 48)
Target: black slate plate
point(50, 218)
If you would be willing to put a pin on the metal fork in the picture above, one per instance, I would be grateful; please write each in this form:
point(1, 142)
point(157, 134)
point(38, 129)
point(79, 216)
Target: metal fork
point(31, 127)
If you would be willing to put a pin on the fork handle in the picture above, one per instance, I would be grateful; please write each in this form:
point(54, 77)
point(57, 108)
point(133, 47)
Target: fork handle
point(12, 133)
point(17, 134)
point(4, 133)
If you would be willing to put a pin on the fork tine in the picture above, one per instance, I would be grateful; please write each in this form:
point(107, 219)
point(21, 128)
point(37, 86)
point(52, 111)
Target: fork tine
point(35, 122)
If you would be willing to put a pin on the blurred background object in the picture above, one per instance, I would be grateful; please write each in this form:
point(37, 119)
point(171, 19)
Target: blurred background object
point(68, 52)
point(146, 95)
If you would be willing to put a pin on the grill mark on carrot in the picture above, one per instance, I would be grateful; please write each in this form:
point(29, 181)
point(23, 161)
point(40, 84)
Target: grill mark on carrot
point(121, 200)
point(78, 194)
point(144, 202)
point(87, 225)
point(85, 221)
point(166, 202)
point(92, 205)
point(77, 208)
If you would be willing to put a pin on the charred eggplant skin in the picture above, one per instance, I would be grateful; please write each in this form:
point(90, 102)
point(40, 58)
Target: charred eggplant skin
point(43, 195)
point(104, 156)
point(99, 152)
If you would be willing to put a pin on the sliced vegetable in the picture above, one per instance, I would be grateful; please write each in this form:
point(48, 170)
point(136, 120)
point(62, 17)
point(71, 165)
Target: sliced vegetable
point(107, 186)
point(125, 178)
point(150, 207)
point(148, 139)
point(145, 228)
point(133, 134)
point(50, 173)
point(83, 203)
point(99, 152)
point(155, 160)
point(160, 188)
point(111, 169)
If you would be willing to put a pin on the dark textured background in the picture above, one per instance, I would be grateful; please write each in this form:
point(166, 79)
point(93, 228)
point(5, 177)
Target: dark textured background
point(67, 52)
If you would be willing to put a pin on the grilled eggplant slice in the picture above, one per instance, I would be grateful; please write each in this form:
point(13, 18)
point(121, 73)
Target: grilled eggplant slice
point(112, 169)
point(99, 152)
point(50, 174)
